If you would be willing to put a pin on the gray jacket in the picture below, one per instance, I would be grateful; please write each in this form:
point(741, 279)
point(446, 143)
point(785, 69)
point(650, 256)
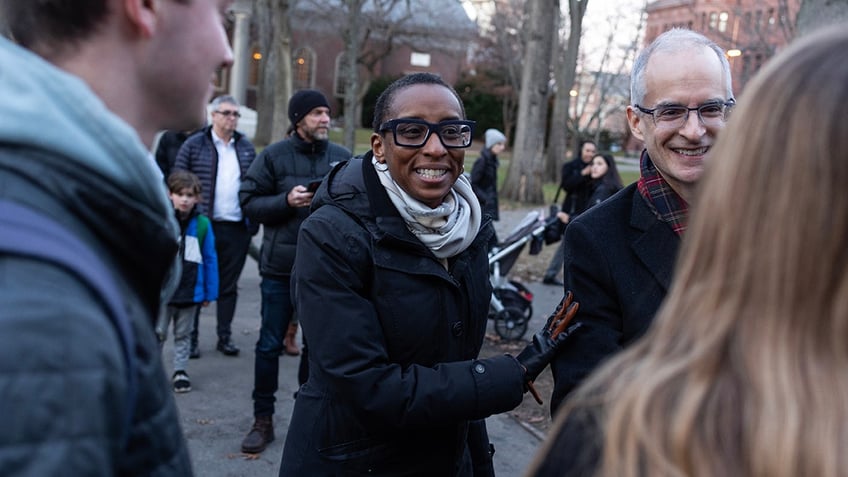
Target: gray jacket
point(63, 380)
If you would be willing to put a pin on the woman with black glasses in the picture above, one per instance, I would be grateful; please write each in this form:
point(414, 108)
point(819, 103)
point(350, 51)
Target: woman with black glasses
point(391, 287)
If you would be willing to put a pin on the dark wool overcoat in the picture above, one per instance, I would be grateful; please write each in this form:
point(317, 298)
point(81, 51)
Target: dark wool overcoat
point(619, 259)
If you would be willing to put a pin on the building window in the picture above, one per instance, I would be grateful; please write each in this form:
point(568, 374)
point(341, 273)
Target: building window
point(713, 20)
point(339, 80)
point(703, 21)
point(771, 18)
point(419, 59)
point(303, 69)
point(747, 23)
point(722, 21)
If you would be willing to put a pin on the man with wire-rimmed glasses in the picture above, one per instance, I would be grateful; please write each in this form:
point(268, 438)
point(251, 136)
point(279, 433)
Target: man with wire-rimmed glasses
point(620, 254)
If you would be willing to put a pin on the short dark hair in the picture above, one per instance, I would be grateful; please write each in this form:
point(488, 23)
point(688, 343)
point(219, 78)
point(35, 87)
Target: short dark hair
point(384, 101)
point(40, 25)
point(182, 179)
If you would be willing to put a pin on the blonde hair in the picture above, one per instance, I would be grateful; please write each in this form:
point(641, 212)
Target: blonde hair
point(745, 370)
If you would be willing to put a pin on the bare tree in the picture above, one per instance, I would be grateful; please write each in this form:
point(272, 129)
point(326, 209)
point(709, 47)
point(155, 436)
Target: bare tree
point(605, 91)
point(370, 29)
point(524, 177)
point(565, 76)
point(501, 53)
point(274, 30)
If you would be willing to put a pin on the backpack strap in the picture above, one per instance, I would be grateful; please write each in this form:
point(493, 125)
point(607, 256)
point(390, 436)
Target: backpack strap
point(26, 232)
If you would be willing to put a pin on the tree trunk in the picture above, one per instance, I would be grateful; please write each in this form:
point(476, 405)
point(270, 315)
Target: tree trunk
point(815, 14)
point(267, 76)
point(524, 180)
point(281, 48)
point(351, 35)
point(566, 72)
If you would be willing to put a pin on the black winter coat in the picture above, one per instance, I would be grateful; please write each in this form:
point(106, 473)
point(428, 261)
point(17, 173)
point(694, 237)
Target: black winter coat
point(619, 258)
point(577, 187)
point(393, 337)
point(279, 168)
point(484, 181)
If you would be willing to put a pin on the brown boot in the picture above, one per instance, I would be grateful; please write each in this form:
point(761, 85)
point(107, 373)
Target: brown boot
point(260, 435)
point(290, 341)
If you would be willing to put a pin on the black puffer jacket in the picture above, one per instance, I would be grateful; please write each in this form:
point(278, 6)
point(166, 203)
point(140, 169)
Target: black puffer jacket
point(393, 337)
point(199, 155)
point(279, 168)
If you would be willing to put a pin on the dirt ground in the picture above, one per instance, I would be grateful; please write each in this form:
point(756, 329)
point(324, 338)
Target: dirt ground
point(527, 268)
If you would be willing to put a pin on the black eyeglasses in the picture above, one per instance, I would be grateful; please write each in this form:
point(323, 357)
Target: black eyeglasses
point(675, 116)
point(229, 113)
point(454, 133)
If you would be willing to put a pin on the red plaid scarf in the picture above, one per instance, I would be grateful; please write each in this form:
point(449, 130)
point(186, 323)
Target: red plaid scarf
point(661, 198)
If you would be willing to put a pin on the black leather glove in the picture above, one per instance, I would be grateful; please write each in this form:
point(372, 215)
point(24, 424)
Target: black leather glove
point(548, 340)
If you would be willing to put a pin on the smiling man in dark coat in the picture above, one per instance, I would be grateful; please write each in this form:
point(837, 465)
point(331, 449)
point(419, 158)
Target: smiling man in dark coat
point(619, 256)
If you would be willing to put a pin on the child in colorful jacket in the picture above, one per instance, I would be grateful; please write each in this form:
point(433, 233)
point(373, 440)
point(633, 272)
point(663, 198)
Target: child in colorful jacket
point(198, 278)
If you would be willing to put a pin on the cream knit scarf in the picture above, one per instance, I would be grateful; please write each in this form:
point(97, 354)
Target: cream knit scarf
point(446, 230)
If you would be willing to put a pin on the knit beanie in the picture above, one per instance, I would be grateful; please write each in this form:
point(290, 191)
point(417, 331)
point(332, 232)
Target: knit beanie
point(304, 101)
point(493, 136)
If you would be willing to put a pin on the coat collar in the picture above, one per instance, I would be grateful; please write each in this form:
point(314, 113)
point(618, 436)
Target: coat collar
point(656, 241)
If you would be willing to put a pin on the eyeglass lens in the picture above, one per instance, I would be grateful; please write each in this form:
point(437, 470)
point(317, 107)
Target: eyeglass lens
point(676, 116)
point(415, 134)
point(229, 113)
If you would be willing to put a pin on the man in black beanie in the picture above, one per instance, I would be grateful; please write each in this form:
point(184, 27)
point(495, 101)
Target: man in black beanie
point(277, 191)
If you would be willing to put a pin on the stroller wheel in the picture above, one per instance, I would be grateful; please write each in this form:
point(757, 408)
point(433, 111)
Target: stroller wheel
point(511, 323)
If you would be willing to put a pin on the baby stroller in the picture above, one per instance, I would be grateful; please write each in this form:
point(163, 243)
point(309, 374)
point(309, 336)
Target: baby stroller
point(511, 305)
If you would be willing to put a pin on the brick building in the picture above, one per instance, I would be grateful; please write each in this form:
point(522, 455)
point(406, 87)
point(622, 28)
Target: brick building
point(750, 31)
point(431, 36)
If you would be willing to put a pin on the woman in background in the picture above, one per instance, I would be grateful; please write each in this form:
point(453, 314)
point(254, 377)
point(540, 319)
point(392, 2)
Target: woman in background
point(605, 179)
point(743, 371)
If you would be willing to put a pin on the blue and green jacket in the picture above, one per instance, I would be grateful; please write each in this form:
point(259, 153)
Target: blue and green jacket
point(199, 278)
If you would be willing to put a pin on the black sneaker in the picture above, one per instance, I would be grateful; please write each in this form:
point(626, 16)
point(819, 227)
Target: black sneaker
point(181, 382)
point(194, 353)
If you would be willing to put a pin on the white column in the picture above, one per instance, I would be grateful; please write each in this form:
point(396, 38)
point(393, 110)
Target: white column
point(241, 55)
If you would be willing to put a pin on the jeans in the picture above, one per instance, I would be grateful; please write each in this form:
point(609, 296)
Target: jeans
point(232, 240)
point(277, 310)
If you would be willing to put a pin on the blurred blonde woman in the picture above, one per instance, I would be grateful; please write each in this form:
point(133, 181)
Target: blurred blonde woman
point(744, 372)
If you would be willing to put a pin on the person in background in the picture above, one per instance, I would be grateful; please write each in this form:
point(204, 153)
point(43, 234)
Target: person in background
point(576, 181)
point(277, 192)
point(605, 180)
point(89, 84)
point(199, 276)
point(743, 371)
point(620, 254)
point(484, 175)
point(167, 149)
point(391, 285)
point(220, 156)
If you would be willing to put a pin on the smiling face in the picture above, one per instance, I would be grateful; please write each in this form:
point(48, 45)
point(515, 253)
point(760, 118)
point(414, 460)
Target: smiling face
point(687, 77)
point(426, 173)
